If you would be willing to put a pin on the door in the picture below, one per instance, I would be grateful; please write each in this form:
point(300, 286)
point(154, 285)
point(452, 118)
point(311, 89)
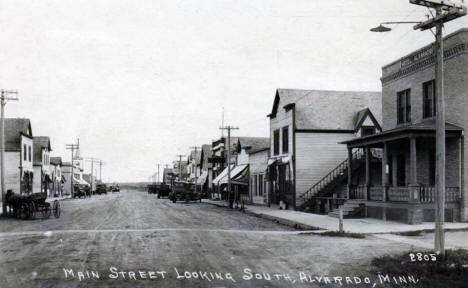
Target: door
point(401, 170)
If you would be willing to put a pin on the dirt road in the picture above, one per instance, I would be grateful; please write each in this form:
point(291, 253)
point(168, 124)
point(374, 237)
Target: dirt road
point(133, 239)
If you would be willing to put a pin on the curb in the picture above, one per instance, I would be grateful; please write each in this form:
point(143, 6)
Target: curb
point(282, 221)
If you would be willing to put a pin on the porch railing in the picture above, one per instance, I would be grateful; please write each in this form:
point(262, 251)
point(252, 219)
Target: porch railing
point(376, 193)
point(398, 194)
point(427, 194)
point(357, 192)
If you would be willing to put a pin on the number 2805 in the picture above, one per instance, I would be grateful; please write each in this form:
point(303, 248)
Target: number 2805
point(420, 257)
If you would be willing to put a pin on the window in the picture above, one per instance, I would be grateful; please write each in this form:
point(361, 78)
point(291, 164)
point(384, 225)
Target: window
point(260, 185)
point(29, 152)
point(366, 131)
point(429, 105)
point(252, 185)
point(404, 106)
point(255, 185)
point(25, 151)
point(285, 140)
point(276, 142)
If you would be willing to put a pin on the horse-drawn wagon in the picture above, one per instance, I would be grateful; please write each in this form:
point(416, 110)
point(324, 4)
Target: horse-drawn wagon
point(31, 205)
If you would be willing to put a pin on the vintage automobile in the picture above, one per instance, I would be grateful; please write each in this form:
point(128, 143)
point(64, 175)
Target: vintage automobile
point(182, 190)
point(100, 189)
point(164, 190)
point(153, 188)
point(115, 188)
point(81, 190)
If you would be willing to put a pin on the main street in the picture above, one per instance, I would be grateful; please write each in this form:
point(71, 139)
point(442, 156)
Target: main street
point(133, 231)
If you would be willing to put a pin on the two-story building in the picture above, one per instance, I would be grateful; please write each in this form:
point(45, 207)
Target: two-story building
point(42, 180)
point(403, 189)
point(205, 181)
point(19, 172)
point(56, 176)
point(306, 127)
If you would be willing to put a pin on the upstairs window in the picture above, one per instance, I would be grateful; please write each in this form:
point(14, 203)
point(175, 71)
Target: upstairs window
point(404, 106)
point(285, 140)
point(366, 131)
point(276, 142)
point(429, 99)
point(25, 151)
point(29, 153)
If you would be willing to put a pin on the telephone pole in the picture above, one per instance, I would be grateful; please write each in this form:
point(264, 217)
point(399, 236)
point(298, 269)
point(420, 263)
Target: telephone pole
point(92, 160)
point(4, 99)
point(180, 166)
point(445, 12)
point(229, 128)
point(72, 148)
point(100, 169)
point(158, 173)
point(195, 149)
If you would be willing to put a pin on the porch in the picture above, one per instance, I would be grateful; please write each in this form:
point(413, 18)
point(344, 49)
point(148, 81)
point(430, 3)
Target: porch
point(404, 187)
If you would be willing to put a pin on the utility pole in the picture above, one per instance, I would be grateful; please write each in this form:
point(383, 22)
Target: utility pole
point(72, 148)
point(158, 173)
point(195, 149)
point(92, 160)
point(4, 99)
point(180, 166)
point(100, 169)
point(444, 12)
point(229, 128)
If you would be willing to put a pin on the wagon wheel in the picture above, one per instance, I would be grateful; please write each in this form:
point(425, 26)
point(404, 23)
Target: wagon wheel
point(32, 210)
point(46, 211)
point(57, 209)
point(23, 212)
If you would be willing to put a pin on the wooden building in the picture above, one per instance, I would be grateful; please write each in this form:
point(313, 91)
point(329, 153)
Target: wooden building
point(42, 180)
point(306, 127)
point(19, 148)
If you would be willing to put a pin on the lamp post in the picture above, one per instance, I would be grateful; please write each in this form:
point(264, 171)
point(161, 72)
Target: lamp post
point(444, 12)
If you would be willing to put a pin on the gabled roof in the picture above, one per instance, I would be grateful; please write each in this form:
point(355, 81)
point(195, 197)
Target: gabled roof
point(40, 142)
point(252, 144)
point(326, 110)
point(14, 128)
point(56, 160)
point(361, 117)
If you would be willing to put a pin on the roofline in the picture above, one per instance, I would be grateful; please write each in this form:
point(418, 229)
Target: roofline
point(464, 29)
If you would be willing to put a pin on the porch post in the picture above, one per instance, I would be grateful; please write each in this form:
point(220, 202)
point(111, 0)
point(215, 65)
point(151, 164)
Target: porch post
point(385, 171)
point(350, 162)
point(415, 213)
point(414, 187)
point(367, 152)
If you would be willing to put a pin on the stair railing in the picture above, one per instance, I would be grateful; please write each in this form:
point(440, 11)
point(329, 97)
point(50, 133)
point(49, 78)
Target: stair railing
point(332, 175)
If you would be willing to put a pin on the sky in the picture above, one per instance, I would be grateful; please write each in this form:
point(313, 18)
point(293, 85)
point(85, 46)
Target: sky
point(139, 82)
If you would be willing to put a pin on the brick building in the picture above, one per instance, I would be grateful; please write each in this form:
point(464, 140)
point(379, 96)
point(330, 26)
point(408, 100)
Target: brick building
point(404, 190)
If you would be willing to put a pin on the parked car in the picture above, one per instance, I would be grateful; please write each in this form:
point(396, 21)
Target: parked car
point(100, 189)
point(81, 190)
point(184, 191)
point(115, 188)
point(153, 188)
point(164, 190)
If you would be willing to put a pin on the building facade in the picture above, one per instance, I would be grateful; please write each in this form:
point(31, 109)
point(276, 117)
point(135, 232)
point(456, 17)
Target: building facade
point(404, 190)
point(42, 181)
point(19, 149)
point(306, 127)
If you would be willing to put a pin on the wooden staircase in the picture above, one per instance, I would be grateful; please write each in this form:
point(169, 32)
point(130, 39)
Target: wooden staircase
point(325, 186)
point(352, 208)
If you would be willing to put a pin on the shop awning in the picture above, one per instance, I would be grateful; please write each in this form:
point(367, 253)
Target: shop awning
point(202, 178)
point(221, 175)
point(234, 173)
point(80, 181)
point(242, 178)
